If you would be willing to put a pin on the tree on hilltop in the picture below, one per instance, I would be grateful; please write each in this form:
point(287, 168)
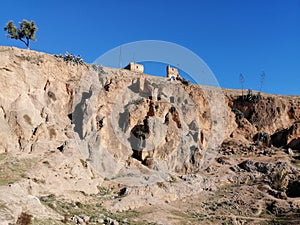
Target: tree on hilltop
point(24, 33)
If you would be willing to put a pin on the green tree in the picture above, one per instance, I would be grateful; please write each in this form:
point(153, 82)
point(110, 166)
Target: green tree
point(24, 33)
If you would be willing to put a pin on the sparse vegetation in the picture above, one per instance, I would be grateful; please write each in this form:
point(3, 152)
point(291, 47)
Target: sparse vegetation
point(104, 191)
point(238, 116)
point(262, 137)
point(24, 219)
point(47, 221)
point(242, 81)
point(12, 169)
point(279, 179)
point(70, 58)
point(25, 33)
point(250, 97)
point(262, 80)
point(94, 211)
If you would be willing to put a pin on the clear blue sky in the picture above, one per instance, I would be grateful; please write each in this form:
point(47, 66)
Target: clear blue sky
point(231, 36)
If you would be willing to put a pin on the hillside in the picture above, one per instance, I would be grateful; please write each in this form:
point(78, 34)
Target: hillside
point(85, 144)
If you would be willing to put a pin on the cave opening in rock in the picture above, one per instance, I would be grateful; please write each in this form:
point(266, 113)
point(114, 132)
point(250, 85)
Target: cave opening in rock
point(138, 135)
point(293, 189)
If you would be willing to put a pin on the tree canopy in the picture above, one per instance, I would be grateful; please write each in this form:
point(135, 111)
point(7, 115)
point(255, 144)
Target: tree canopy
point(24, 33)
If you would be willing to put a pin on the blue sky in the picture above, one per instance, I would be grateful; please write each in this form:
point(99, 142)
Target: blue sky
point(231, 36)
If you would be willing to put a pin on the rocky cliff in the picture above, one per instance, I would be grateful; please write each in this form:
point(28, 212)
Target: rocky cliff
point(70, 131)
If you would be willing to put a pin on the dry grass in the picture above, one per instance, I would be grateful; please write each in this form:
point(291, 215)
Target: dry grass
point(93, 210)
point(12, 169)
point(24, 219)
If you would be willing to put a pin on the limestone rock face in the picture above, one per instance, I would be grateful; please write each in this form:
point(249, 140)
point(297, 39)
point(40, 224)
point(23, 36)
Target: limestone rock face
point(35, 101)
point(83, 124)
point(147, 119)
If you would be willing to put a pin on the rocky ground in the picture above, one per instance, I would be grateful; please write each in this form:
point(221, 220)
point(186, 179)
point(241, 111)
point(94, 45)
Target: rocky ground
point(84, 144)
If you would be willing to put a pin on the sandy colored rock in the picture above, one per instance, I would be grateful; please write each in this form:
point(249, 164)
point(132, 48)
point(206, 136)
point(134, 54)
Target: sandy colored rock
point(92, 131)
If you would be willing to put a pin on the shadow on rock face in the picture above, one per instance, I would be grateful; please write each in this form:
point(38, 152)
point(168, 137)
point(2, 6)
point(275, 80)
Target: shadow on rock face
point(293, 189)
point(78, 113)
point(138, 135)
point(294, 144)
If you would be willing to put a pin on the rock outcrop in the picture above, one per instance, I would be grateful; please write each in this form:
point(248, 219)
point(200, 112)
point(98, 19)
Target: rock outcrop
point(86, 124)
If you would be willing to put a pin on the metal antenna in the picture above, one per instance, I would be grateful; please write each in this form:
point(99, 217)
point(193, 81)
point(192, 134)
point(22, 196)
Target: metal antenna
point(120, 58)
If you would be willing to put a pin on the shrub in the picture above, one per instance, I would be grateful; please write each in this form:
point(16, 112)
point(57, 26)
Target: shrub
point(279, 179)
point(262, 137)
point(70, 58)
point(24, 219)
point(250, 97)
point(238, 116)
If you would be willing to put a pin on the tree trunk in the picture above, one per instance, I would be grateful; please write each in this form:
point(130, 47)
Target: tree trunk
point(27, 43)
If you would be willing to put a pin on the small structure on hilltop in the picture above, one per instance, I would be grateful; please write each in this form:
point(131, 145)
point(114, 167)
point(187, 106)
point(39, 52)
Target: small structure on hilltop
point(135, 67)
point(173, 73)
